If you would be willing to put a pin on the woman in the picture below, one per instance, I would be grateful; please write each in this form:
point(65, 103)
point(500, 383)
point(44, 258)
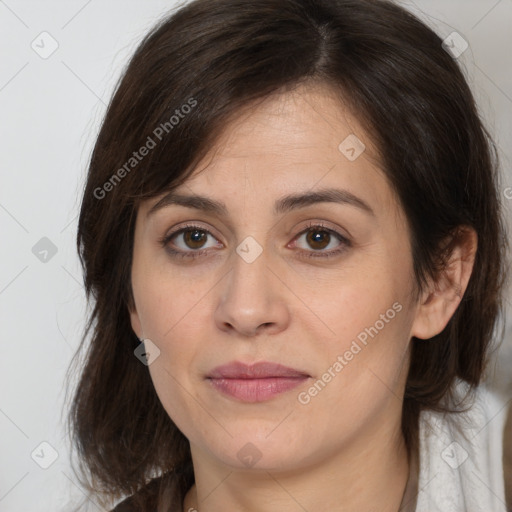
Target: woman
point(292, 235)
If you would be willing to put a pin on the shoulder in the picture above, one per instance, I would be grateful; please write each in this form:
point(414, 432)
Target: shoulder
point(461, 454)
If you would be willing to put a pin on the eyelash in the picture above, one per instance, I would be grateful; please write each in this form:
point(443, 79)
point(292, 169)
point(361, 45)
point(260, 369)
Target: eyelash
point(306, 254)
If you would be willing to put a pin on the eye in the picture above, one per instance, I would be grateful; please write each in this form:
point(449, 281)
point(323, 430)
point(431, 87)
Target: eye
point(191, 237)
point(319, 237)
point(191, 242)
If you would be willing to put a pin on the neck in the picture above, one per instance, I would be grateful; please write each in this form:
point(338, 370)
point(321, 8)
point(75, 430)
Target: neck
point(369, 474)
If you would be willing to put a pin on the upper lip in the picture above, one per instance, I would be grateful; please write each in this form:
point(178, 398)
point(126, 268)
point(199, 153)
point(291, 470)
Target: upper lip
point(261, 370)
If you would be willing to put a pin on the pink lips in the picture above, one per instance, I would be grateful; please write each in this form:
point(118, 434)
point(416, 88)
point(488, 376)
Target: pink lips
point(255, 383)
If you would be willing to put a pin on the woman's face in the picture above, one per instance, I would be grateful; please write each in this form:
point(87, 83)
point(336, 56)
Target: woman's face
point(255, 280)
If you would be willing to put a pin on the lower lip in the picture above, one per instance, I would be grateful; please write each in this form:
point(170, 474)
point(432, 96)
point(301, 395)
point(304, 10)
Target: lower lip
point(256, 390)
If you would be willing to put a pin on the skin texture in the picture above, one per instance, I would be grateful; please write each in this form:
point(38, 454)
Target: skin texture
point(343, 450)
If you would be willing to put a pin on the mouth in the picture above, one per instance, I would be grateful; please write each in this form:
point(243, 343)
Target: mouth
point(255, 383)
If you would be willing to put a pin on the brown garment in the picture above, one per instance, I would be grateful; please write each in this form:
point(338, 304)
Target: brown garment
point(410, 497)
point(507, 458)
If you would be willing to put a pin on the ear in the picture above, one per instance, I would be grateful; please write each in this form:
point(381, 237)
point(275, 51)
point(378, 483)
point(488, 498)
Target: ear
point(438, 304)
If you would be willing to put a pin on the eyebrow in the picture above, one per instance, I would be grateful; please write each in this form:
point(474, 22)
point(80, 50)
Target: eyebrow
point(283, 205)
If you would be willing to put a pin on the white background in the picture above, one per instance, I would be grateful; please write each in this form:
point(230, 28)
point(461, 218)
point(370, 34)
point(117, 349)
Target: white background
point(50, 110)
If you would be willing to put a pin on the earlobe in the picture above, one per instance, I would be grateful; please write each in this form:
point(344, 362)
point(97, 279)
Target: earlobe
point(439, 303)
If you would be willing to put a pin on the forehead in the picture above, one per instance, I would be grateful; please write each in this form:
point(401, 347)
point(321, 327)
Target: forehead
point(291, 142)
point(311, 124)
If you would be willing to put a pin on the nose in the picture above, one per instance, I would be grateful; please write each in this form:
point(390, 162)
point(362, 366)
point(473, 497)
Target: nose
point(252, 298)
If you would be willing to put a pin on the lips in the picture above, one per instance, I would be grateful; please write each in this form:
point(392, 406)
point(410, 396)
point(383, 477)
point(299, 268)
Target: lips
point(255, 383)
point(260, 370)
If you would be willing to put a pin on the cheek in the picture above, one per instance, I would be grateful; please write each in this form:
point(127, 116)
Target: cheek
point(172, 311)
point(361, 381)
point(174, 393)
point(160, 303)
point(365, 356)
point(167, 323)
point(165, 320)
point(358, 304)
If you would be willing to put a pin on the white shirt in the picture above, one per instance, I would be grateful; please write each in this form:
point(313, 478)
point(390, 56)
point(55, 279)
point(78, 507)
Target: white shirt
point(460, 467)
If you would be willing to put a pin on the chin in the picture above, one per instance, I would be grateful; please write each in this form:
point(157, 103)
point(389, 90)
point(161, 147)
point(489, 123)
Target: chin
point(254, 449)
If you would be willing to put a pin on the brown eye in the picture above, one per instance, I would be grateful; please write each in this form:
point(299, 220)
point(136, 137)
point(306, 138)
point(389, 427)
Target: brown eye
point(318, 239)
point(188, 242)
point(191, 242)
point(194, 238)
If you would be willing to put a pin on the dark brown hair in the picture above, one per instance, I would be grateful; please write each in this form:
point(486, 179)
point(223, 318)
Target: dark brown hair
point(218, 57)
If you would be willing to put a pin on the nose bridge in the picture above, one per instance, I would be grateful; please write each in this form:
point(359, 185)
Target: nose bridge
point(250, 272)
point(250, 298)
